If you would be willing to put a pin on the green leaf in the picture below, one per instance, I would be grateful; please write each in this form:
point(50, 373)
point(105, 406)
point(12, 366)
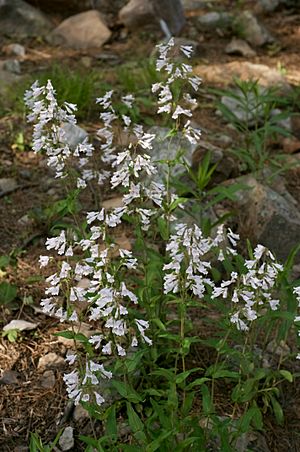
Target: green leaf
point(111, 422)
point(197, 382)
point(71, 335)
point(12, 335)
point(4, 261)
point(225, 374)
point(126, 391)
point(163, 228)
point(251, 415)
point(152, 447)
point(176, 203)
point(8, 292)
point(277, 409)
point(187, 403)
point(135, 424)
point(183, 375)
point(287, 375)
point(207, 403)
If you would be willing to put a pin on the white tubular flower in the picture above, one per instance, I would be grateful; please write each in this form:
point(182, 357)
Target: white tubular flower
point(181, 111)
point(187, 50)
point(105, 101)
point(142, 326)
point(44, 261)
point(57, 243)
point(146, 140)
point(195, 82)
point(128, 100)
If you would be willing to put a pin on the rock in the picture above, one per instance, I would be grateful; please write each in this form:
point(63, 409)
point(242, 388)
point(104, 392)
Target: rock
point(7, 185)
point(251, 30)
point(216, 153)
point(8, 81)
point(268, 5)
point(239, 47)
point(66, 441)
point(21, 325)
point(223, 140)
point(283, 122)
point(171, 16)
point(15, 49)
point(86, 61)
point(251, 442)
point(137, 13)
point(112, 203)
point(282, 349)
point(18, 19)
point(236, 105)
point(81, 31)
point(25, 220)
point(9, 377)
point(225, 164)
point(291, 145)
point(50, 360)
point(268, 217)
point(222, 74)
point(168, 13)
point(191, 5)
point(80, 414)
point(72, 134)
point(167, 149)
point(48, 379)
point(11, 66)
point(213, 20)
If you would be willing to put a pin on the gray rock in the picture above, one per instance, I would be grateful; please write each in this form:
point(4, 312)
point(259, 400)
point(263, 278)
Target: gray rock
point(213, 20)
point(66, 441)
point(251, 30)
point(19, 19)
point(269, 217)
point(239, 47)
point(137, 13)
point(268, 5)
point(82, 31)
point(72, 134)
point(21, 325)
point(9, 377)
point(80, 414)
point(170, 14)
point(50, 360)
point(190, 5)
point(236, 105)
point(280, 349)
point(15, 49)
point(167, 13)
point(285, 123)
point(11, 66)
point(48, 379)
point(167, 148)
point(216, 153)
point(7, 185)
point(25, 220)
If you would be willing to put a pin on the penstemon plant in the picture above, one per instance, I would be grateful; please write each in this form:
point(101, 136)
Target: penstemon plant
point(139, 302)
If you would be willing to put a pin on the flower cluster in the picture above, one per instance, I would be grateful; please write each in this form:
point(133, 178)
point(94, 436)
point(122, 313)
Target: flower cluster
point(252, 292)
point(191, 258)
point(174, 72)
point(90, 282)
